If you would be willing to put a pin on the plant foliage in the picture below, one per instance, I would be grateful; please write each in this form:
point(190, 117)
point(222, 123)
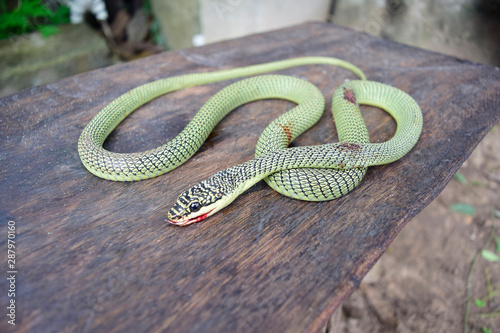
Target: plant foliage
point(31, 15)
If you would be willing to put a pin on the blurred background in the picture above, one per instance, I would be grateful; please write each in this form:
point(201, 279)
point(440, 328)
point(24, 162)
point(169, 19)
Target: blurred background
point(44, 40)
point(425, 280)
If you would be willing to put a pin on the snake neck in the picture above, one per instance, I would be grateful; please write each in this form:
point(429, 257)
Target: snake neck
point(216, 192)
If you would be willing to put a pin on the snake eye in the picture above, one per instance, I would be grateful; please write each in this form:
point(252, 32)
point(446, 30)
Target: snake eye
point(194, 207)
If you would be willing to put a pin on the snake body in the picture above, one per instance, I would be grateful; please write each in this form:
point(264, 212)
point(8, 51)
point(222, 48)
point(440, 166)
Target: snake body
point(313, 173)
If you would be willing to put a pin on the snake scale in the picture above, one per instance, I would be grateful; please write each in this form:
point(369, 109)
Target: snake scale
point(313, 173)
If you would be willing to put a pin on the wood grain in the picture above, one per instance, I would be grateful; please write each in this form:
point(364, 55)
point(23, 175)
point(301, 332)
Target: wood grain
point(97, 256)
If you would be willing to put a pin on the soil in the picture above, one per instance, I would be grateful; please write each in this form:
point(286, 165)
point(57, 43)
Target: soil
point(420, 283)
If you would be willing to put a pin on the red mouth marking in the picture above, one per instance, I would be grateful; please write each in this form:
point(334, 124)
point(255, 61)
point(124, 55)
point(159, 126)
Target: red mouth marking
point(190, 221)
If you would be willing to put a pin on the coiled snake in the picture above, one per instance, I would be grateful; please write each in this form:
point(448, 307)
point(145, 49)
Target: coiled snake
point(313, 173)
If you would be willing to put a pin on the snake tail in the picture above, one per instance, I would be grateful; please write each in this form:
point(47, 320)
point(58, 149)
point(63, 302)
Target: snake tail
point(154, 162)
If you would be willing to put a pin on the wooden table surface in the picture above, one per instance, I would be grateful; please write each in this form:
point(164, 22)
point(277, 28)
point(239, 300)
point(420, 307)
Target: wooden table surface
point(96, 256)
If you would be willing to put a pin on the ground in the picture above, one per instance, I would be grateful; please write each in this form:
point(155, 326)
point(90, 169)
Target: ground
point(420, 283)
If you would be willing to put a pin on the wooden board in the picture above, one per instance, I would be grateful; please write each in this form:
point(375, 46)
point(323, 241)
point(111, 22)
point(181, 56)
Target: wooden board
point(97, 256)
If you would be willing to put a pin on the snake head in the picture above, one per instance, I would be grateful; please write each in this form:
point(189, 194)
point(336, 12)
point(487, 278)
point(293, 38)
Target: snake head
point(202, 200)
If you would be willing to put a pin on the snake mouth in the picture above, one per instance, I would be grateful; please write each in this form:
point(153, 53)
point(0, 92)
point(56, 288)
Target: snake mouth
point(184, 221)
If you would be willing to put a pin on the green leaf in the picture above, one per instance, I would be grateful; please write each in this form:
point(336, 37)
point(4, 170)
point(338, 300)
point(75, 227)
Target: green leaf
point(497, 240)
point(48, 30)
point(463, 209)
point(61, 15)
point(460, 178)
point(30, 15)
point(490, 256)
point(486, 330)
point(480, 303)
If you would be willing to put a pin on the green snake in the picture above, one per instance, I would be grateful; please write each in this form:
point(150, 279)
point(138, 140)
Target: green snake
point(313, 173)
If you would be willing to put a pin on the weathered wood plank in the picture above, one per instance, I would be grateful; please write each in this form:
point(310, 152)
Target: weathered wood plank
point(97, 256)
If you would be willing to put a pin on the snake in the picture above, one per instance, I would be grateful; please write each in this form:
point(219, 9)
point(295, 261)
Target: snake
point(311, 173)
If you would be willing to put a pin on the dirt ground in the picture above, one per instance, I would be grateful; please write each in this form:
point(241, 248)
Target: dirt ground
point(420, 283)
